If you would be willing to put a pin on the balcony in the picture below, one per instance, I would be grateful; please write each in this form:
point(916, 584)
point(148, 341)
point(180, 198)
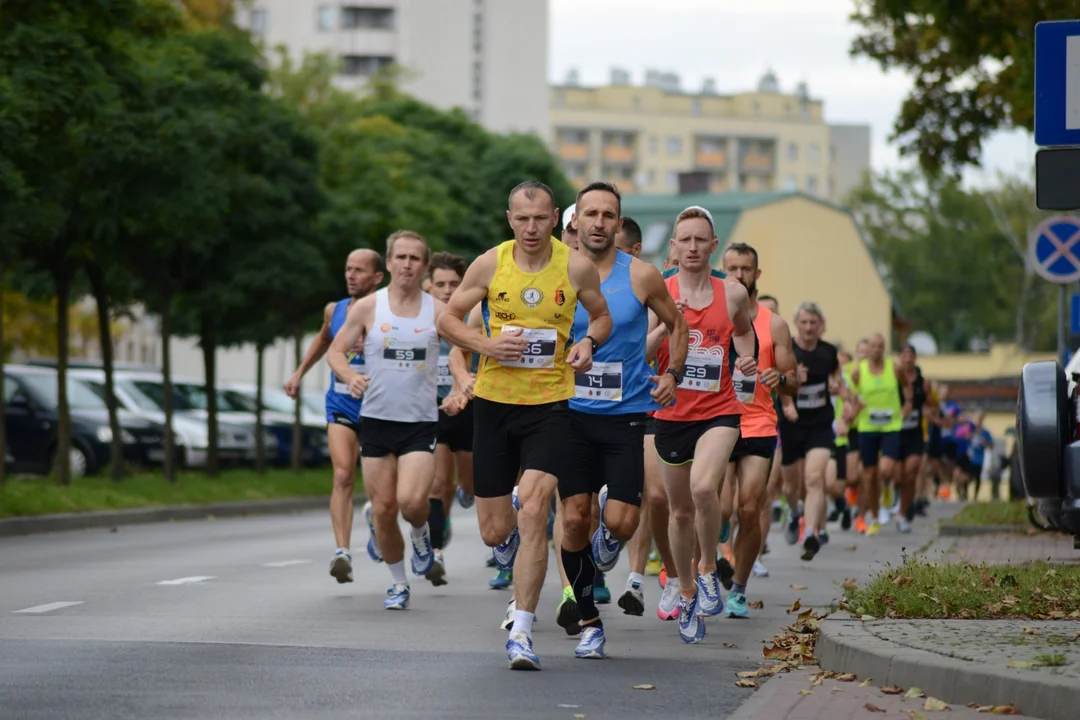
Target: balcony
point(711, 159)
point(619, 155)
point(754, 161)
point(574, 151)
point(719, 185)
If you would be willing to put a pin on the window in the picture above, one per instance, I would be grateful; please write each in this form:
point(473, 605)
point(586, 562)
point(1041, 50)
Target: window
point(790, 183)
point(813, 153)
point(673, 180)
point(364, 65)
point(792, 152)
point(811, 185)
point(365, 17)
point(574, 169)
point(653, 143)
point(324, 18)
point(79, 396)
point(674, 145)
point(573, 137)
point(259, 20)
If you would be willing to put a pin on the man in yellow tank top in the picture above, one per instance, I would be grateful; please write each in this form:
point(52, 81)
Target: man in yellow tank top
point(528, 289)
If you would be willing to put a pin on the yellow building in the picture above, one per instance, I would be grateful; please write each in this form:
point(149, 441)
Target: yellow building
point(655, 138)
point(808, 250)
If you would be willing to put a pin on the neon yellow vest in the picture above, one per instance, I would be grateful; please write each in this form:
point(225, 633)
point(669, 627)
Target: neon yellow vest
point(881, 397)
point(838, 408)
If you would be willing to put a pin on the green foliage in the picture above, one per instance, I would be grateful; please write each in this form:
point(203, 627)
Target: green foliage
point(955, 259)
point(973, 65)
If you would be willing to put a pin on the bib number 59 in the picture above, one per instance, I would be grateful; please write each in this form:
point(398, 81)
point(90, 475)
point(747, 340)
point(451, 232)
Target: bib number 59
point(404, 354)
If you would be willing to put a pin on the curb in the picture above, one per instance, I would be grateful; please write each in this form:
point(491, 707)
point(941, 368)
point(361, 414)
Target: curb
point(10, 527)
point(948, 530)
point(846, 646)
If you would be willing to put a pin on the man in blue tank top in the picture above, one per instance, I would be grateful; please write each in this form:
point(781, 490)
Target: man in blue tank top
point(363, 272)
point(609, 410)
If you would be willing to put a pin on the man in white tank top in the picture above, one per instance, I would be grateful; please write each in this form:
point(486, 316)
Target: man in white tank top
point(397, 435)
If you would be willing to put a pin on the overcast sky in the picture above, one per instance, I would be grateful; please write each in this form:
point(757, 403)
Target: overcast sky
point(735, 42)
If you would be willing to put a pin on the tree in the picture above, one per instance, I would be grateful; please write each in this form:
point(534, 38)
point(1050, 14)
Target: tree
point(956, 259)
point(973, 65)
point(73, 133)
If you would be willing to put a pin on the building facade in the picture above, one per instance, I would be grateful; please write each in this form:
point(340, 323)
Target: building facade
point(656, 138)
point(488, 57)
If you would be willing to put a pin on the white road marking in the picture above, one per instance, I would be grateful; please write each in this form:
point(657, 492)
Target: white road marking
point(285, 563)
point(185, 580)
point(38, 609)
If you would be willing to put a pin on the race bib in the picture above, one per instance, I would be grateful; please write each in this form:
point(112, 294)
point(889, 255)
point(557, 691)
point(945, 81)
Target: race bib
point(602, 382)
point(702, 373)
point(811, 397)
point(745, 385)
point(404, 355)
point(356, 363)
point(445, 378)
point(539, 353)
point(880, 417)
point(912, 421)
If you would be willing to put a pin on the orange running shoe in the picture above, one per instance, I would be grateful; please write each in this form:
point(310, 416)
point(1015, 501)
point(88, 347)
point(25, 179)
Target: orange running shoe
point(860, 524)
point(662, 577)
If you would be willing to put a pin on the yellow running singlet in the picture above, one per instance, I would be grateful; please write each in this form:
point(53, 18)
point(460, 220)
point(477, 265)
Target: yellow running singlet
point(543, 304)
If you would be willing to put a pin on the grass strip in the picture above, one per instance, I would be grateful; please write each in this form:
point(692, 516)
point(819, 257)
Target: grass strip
point(42, 496)
point(992, 513)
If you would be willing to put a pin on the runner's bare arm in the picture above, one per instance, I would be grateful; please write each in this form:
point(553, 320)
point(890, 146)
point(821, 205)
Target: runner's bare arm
point(663, 308)
point(785, 360)
point(743, 336)
point(314, 353)
point(472, 290)
point(657, 332)
point(907, 383)
point(586, 282)
point(353, 331)
point(460, 360)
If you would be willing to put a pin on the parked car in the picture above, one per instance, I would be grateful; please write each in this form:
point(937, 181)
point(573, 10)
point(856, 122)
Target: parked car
point(32, 416)
point(236, 442)
point(279, 414)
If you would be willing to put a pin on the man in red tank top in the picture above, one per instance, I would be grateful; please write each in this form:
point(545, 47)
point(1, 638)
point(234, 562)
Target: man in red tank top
point(703, 424)
point(752, 457)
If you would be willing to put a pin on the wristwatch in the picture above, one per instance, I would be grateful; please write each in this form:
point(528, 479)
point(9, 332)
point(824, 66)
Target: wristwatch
point(675, 374)
point(783, 379)
point(595, 344)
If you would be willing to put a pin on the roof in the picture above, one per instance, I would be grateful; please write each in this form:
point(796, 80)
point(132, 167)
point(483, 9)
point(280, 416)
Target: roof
point(656, 215)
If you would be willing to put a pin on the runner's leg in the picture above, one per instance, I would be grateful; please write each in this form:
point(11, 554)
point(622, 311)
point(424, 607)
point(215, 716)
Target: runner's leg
point(344, 451)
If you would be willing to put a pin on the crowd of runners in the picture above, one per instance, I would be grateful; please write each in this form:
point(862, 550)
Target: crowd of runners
point(579, 396)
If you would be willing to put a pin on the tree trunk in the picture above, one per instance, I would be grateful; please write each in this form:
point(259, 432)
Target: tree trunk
point(298, 426)
point(260, 443)
point(170, 462)
point(3, 427)
point(62, 278)
point(101, 298)
point(209, 348)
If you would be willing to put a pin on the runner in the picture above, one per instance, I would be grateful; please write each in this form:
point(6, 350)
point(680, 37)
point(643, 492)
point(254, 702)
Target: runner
point(703, 425)
point(530, 288)
point(363, 273)
point(912, 438)
point(453, 450)
point(808, 441)
point(784, 406)
point(752, 456)
point(397, 435)
point(608, 411)
point(877, 383)
point(628, 239)
point(569, 230)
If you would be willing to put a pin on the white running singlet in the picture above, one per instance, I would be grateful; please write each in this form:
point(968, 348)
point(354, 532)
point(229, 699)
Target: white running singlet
point(402, 356)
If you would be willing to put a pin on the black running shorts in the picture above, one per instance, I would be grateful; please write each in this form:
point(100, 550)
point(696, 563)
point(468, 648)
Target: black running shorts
point(456, 431)
point(797, 440)
point(676, 440)
point(605, 450)
point(512, 438)
point(379, 438)
point(762, 447)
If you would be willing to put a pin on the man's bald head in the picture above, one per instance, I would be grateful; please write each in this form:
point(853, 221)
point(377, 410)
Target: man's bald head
point(363, 272)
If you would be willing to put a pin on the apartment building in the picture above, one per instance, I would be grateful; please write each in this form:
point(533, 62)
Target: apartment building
point(658, 138)
point(488, 57)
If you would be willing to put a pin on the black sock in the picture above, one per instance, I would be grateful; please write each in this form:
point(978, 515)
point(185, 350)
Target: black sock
point(581, 570)
point(437, 523)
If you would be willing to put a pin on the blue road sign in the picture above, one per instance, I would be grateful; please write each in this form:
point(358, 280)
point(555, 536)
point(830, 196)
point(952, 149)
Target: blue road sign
point(1054, 249)
point(1074, 314)
point(1057, 83)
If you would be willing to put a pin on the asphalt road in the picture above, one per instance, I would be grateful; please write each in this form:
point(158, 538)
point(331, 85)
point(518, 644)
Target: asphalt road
point(239, 618)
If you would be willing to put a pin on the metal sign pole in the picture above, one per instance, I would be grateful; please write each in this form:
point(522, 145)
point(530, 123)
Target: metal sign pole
point(1062, 315)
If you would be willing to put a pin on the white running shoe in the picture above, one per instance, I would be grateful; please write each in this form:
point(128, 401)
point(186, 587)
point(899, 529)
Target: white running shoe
point(759, 570)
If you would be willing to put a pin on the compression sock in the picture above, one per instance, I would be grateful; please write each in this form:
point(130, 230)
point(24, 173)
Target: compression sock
point(437, 523)
point(581, 571)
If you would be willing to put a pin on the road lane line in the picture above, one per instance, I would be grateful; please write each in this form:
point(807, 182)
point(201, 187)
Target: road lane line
point(38, 609)
point(285, 563)
point(186, 580)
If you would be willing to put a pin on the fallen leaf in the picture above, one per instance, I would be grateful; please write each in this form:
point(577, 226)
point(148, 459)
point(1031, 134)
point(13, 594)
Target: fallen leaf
point(746, 683)
point(851, 548)
point(837, 688)
point(773, 653)
point(866, 682)
point(847, 677)
point(817, 682)
point(730, 645)
point(1030, 630)
point(757, 605)
point(902, 580)
point(1001, 710)
point(1022, 665)
point(795, 606)
point(932, 704)
point(798, 587)
point(579, 715)
point(851, 584)
point(806, 692)
point(892, 690)
point(867, 618)
point(915, 693)
point(916, 715)
point(644, 687)
point(873, 708)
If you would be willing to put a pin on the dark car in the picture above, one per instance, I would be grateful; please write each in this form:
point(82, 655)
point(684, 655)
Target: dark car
point(31, 417)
